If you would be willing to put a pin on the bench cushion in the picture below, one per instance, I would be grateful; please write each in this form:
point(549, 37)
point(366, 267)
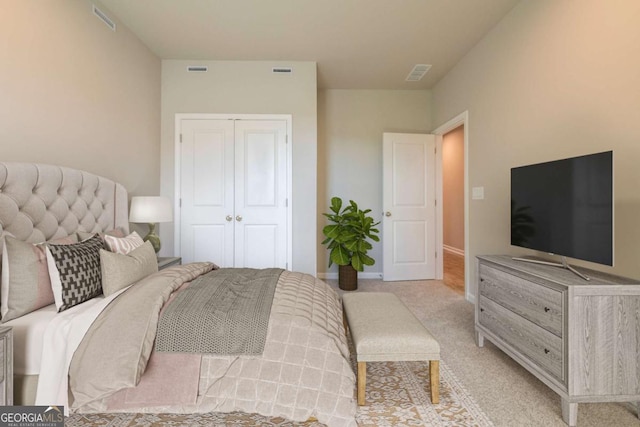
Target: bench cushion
point(384, 330)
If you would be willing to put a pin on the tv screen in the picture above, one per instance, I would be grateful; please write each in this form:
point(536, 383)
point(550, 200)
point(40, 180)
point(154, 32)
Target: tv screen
point(565, 207)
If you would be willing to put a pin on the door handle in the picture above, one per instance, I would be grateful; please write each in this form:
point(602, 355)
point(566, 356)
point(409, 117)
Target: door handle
point(229, 218)
point(387, 213)
point(239, 218)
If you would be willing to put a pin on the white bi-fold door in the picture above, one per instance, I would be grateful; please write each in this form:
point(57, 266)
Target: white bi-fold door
point(408, 232)
point(233, 192)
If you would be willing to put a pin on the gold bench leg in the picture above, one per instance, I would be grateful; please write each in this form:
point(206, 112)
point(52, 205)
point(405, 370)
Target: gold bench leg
point(362, 381)
point(434, 380)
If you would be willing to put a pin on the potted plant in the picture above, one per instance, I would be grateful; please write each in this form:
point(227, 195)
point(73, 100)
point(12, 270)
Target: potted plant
point(347, 240)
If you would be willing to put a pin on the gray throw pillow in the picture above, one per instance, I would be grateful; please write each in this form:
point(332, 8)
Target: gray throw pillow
point(120, 271)
point(25, 285)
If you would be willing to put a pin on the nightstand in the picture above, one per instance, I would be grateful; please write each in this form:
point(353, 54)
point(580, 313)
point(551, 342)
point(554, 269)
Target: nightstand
point(164, 262)
point(6, 366)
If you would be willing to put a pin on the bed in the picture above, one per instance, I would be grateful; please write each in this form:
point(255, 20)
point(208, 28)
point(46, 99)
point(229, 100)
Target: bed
point(295, 364)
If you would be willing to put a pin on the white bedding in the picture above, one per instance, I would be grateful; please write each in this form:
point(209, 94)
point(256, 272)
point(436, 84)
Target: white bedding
point(62, 336)
point(28, 332)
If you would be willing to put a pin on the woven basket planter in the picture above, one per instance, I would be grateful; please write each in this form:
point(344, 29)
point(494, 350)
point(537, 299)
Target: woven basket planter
point(347, 278)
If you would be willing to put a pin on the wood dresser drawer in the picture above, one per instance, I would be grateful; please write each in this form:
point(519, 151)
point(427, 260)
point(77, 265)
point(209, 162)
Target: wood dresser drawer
point(540, 346)
point(539, 304)
point(577, 336)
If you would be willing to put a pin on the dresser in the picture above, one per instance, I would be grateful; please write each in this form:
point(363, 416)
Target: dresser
point(6, 366)
point(580, 338)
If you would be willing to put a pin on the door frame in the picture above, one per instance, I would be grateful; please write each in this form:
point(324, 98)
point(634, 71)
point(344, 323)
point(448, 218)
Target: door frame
point(177, 170)
point(461, 119)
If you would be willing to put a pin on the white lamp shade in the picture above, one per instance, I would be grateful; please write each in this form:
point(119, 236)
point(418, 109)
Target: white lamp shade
point(150, 210)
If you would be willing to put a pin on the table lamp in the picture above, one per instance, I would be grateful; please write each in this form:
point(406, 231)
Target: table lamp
point(151, 210)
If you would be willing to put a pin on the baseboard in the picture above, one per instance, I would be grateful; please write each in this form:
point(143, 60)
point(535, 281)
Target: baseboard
point(330, 275)
point(453, 250)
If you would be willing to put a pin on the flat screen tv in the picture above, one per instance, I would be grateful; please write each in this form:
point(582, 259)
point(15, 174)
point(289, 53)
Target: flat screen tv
point(565, 207)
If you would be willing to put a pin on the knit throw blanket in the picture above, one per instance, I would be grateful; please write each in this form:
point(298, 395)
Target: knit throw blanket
point(224, 312)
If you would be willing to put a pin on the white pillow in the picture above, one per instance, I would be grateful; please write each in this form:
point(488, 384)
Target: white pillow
point(123, 245)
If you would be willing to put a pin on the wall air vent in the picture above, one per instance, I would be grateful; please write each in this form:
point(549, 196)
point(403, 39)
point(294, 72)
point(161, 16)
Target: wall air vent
point(104, 18)
point(197, 68)
point(282, 70)
point(418, 72)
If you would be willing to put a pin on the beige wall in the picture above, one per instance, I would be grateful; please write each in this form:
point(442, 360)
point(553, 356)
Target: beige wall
point(350, 127)
point(453, 189)
point(75, 93)
point(249, 87)
point(553, 79)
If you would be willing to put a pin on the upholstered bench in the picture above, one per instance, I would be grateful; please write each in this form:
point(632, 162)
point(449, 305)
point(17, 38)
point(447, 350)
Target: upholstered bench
point(384, 330)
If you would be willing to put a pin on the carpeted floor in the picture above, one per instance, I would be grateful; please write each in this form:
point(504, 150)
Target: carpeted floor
point(505, 393)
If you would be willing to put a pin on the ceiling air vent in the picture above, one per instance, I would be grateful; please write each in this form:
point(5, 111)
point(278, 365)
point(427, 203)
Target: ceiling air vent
point(104, 18)
point(418, 72)
point(282, 70)
point(197, 68)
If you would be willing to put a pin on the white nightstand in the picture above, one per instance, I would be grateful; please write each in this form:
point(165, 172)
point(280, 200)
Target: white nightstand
point(164, 262)
point(6, 364)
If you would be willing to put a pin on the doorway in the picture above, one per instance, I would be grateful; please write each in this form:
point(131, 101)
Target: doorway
point(453, 208)
point(459, 121)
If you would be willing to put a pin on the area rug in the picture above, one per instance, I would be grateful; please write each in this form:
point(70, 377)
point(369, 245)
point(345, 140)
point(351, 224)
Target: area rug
point(397, 395)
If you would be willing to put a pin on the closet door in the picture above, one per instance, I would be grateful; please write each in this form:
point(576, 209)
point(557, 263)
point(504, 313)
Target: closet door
point(233, 191)
point(207, 191)
point(260, 193)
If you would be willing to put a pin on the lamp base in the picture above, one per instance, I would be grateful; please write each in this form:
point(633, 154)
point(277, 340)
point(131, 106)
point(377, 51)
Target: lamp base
point(153, 238)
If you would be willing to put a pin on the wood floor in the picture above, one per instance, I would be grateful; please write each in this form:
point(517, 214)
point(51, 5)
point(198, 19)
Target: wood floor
point(454, 271)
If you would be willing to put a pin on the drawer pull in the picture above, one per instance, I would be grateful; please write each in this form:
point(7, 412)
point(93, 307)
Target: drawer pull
point(546, 351)
point(482, 309)
point(546, 309)
point(481, 279)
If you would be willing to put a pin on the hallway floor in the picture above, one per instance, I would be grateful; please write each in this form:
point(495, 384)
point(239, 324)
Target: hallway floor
point(454, 271)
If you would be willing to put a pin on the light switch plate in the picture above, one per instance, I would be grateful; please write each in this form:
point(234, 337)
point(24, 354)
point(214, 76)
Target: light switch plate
point(477, 193)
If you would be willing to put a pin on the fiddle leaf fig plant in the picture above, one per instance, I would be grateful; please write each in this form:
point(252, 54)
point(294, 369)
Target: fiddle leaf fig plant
point(347, 236)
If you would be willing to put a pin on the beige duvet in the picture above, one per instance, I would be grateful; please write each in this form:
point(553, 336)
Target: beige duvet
point(304, 370)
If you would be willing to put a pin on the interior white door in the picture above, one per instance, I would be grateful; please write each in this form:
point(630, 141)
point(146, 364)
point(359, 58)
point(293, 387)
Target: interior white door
point(207, 191)
point(233, 191)
point(409, 231)
point(261, 193)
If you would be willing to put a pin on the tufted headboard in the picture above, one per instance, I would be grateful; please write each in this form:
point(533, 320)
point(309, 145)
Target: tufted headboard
point(44, 202)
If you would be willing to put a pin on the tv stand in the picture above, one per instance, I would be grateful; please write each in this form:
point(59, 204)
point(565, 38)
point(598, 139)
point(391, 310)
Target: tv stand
point(562, 264)
point(579, 338)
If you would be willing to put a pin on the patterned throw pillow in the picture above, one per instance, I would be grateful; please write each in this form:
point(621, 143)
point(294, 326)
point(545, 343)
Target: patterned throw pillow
point(75, 272)
point(123, 245)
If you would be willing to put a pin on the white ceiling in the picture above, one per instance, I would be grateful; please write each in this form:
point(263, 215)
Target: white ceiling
point(357, 44)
